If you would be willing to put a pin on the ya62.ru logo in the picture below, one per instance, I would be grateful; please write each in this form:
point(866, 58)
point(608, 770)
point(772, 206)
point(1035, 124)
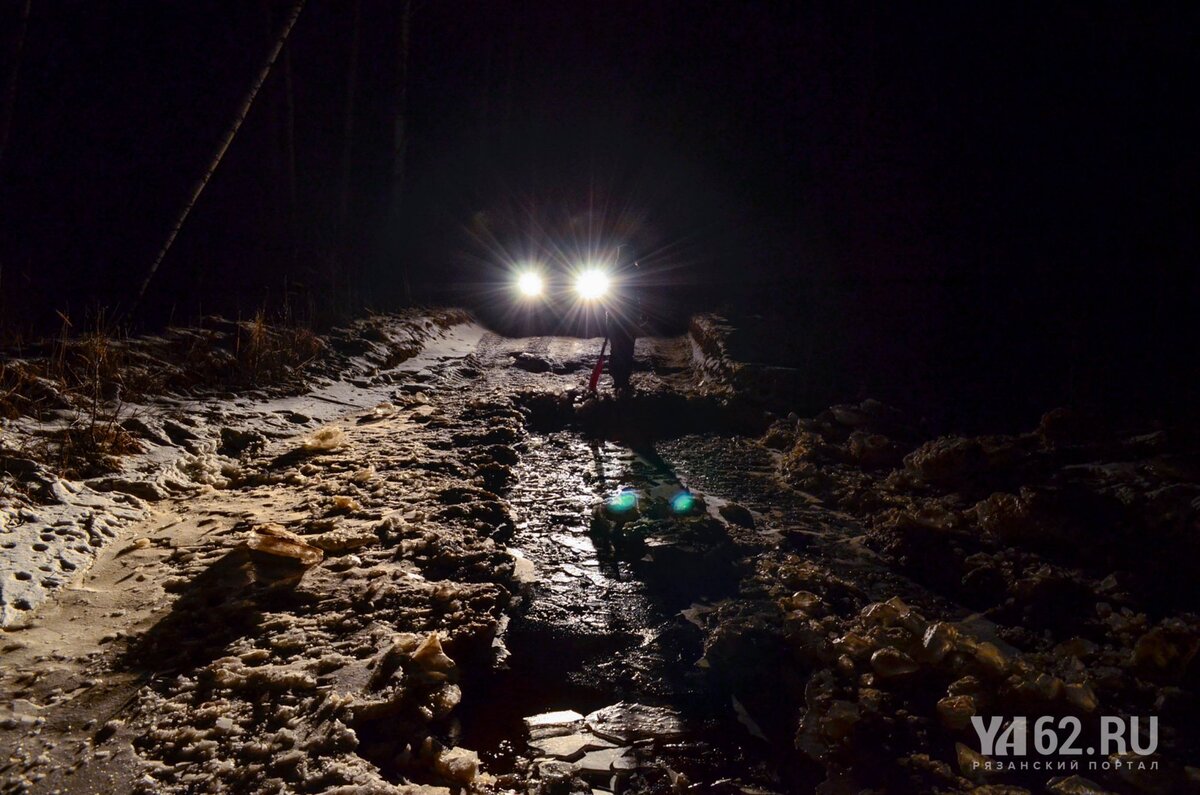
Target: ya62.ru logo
point(1117, 736)
point(1001, 740)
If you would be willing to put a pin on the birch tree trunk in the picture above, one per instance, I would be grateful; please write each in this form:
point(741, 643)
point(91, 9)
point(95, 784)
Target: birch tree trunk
point(222, 148)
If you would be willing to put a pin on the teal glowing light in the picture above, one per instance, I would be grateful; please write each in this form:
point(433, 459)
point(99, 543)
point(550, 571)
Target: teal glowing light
point(683, 502)
point(623, 502)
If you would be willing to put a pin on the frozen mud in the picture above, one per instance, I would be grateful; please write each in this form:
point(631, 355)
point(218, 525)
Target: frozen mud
point(303, 587)
point(52, 528)
point(442, 566)
point(922, 582)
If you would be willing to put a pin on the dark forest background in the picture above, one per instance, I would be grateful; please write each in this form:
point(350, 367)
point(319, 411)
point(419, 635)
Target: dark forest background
point(987, 208)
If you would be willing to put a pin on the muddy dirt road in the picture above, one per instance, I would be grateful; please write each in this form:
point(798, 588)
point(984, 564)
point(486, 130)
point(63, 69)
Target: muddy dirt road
point(465, 587)
point(450, 569)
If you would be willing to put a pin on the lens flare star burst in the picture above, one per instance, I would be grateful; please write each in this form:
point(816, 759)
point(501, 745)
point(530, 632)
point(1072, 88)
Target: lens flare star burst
point(530, 284)
point(591, 284)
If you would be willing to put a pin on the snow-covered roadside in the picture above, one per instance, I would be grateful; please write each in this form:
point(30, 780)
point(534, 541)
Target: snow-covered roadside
point(189, 445)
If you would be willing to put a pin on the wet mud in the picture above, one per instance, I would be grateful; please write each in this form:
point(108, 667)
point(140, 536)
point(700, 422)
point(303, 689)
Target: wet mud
point(476, 577)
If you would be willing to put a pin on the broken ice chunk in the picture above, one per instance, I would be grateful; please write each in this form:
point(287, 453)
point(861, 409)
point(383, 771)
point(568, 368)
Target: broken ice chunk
point(625, 722)
point(551, 718)
point(343, 539)
point(569, 746)
point(523, 570)
point(888, 662)
point(693, 614)
point(344, 504)
point(600, 764)
point(432, 660)
point(553, 724)
point(273, 539)
point(324, 440)
point(459, 765)
point(938, 641)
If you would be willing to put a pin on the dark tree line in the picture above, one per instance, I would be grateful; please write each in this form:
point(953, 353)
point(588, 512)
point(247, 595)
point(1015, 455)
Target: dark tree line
point(324, 196)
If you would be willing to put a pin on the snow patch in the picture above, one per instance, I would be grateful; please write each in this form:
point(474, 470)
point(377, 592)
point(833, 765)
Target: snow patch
point(44, 547)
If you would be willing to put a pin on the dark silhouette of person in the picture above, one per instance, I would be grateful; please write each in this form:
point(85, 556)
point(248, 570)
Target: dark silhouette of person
point(622, 336)
point(621, 326)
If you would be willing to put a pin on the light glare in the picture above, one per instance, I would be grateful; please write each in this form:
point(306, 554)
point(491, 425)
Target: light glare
point(683, 502)
point(623, 502)
point(591, 284)
point(530, 284)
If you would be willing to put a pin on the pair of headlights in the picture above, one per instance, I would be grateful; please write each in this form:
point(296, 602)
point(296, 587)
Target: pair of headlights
point(590, 285)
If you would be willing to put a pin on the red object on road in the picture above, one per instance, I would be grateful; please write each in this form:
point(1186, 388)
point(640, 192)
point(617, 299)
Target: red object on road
point(595, 379)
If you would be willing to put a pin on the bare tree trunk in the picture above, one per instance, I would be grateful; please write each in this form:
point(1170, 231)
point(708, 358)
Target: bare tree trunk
point(10, 90)
point(348, 121)
point(400, 132)
point(230, 134)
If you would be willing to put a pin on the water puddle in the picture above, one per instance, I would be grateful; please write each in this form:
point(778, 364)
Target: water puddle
point(602, 630)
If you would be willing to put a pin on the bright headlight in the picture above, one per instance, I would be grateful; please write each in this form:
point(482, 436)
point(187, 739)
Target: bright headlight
point(530, 284)
point(591, 284)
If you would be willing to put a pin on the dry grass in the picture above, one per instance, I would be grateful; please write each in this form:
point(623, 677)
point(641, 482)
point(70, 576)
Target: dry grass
point(24, 392)
point(87, 380)
point(267, 354)
point(90, 449)
point(84, 376)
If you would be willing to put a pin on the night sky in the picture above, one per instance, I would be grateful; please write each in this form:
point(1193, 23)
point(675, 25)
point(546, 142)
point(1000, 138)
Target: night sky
point(988, 207)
